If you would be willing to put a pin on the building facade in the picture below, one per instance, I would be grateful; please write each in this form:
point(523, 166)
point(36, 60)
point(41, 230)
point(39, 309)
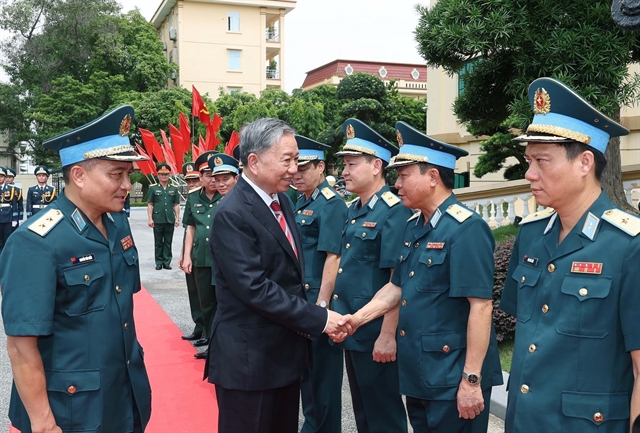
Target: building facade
point(236, 45)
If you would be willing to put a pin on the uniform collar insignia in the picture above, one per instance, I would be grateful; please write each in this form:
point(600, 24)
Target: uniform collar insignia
point(373, 201)
point(590, 226)
point(110, 217)
point(315, 194)
point(550, 223)
point(81, 224)
point(435, 218)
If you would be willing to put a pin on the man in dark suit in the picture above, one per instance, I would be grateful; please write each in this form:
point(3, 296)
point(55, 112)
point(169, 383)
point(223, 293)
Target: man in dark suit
point(261, 331)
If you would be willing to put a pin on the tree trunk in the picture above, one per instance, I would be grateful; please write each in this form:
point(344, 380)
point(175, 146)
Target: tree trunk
point(612, 177)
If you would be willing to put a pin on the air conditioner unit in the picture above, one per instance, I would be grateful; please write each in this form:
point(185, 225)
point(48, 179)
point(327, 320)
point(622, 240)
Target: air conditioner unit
point(164, 46)
point(173, 34)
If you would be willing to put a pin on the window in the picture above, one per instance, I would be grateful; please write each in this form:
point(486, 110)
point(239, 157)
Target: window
point(382, 71)
point(415, 74)
point(234, 59)
point(232, 90)
point(348, 69)
point(233, 22)
point(462, 73)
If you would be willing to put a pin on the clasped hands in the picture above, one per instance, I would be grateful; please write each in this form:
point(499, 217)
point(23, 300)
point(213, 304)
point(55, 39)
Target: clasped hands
point(340, 327)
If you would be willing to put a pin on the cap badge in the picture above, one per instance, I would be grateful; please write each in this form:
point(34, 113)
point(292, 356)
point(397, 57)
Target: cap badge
point(189, 167)
point(541, 102)
point(218, 161)
point(399, 138)
point(125, 125)
point(351, 132)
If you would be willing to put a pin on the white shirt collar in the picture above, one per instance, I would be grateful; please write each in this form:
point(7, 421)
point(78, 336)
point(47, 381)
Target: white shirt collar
point(268, 199)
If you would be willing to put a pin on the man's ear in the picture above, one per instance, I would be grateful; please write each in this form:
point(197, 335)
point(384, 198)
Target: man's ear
point(252, 163)
point(377, 166)
point(587, 162)
point(78, 174)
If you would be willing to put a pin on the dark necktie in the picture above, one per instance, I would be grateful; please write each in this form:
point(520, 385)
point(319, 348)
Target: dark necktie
point(283, 224)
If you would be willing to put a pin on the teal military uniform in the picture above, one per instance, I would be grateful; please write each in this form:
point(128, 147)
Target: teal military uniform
point(320, 219)
point(578, 316)
point(9, 212)
point(19, 198)
point(79, 303)
point(163, 201)
point(293, 195)
point(39, 197)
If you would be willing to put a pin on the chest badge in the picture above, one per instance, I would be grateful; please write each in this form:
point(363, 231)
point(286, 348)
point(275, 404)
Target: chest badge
point(435, 245)
point(586, 268)
point(83, 259)
point(307, 212)
point(369, 224)
point(126, 243)
point(533, 261)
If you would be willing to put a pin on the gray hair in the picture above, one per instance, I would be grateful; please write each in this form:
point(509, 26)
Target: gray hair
point(258, 136)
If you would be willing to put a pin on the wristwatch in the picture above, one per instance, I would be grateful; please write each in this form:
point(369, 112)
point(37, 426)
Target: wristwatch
point(472, 378)
point(322, 304)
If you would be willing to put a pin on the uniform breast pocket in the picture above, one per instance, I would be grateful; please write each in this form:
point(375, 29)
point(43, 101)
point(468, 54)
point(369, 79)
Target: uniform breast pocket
point(84, 289)
point(434, 272)
point(526, 277)
point(75, 399)
point(366, 244)
point(308, 228)
point(585, 299)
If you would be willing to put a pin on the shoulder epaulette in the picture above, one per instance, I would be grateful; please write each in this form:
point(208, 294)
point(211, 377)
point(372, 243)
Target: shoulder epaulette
point(458, 212)
point(328, 193)
point(415, 215)
point(43, 224)
point(196, 189)
point(293, 187)
point(390, 198)
point(355, 200)
point(536, 216)
point(626, 222)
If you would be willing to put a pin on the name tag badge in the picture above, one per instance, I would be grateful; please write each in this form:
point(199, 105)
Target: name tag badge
point(530, 261)
point(369, 224)
point(83, 259)
point(126, 243)
point(586, 268)
point(435, 245)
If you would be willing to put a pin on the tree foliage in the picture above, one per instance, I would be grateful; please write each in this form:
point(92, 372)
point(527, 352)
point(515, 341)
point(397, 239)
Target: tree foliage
point(361, 85)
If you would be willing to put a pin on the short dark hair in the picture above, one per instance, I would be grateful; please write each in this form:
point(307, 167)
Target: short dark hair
point(86, 164)
point(371, 158)
point(575, 149)
point(447, 175)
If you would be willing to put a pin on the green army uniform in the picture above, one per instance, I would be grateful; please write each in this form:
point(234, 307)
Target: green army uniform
point(293, 194)
point(320, 220)
point(163, 202)
point(79, 303)
point(199, 212)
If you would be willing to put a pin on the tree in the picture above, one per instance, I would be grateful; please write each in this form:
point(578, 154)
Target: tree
point(503, 45)
point(361, 85)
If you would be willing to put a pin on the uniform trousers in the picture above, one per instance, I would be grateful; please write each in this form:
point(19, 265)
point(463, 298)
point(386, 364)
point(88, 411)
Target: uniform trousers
point(163, 237)
point(375, 392)
point(5, 231)
point(436, 416)
point(206, 296)
point(194, 304)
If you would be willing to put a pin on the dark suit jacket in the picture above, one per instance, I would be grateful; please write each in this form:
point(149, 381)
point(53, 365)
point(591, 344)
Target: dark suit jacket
point(263, 324)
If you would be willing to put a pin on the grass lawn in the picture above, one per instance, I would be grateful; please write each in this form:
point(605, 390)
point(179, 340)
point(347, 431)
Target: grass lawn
point(506, 353)
point(502, 233)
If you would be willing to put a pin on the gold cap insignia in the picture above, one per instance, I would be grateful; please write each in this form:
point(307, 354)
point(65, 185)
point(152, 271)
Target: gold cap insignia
point(125, 125)
point(218, 161)
point(351, 132)
point(189, 167)
point(399, 138)
point(541, 102)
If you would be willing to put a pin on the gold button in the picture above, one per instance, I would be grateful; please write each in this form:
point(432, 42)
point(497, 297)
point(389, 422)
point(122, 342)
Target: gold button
point(353, 221)
point(545, 308)
point(416, 245)
point(207, 239)
point(302, 221)
point(524, 389)
point(402, 332)
point(118, 289)
point(446, 348)
point(72, 389)
point(86, 277)
point(207, 227)
point(428, 261)
point(583, 292)
point(551, 268)
point(335, 297)
point(364, 235)
point(339, 270)
point(299, 212)
point(532, 348)
point(411, 274)
point(598, 417)
point(347, 246)
point(210, 205)
point(522, 280)
point(126, 326)
point(404, 302)
point(306, 286)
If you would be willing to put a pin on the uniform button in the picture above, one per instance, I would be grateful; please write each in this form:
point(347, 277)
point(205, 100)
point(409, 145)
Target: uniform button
point(545, 308)
point(353, 221)
point(210, 205)
point(126, 326)
point(522, 279)
point(86, 277)
point(446, 348)
point(302, 221)
point(347, 246)
point(598, 417)
point(404, 302)
point(429, 261)
point(339, 270)
point(416, 245)
point(207, 239)
point(335, 297)
point(112, 252)
point(299, 212)
point(401, 257)
point(583, 292)
point(118, 289)
point(364, 235)
point(402, 333)
point(551, 268)
point(411, 274)
point(72, 389)
point(306, 286)
point(532, 348)
point(524, 389)
point(207, 227)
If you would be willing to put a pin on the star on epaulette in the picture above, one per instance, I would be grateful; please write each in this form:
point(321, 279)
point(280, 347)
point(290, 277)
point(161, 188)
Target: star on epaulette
point(415, 215)
point(458, 212)
point(628, 223)
point(328, 193)
point(536, 216)
point(46, 222)
point(390, 198)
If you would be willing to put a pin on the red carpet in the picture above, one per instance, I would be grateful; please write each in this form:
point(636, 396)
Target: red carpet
point(181, 401)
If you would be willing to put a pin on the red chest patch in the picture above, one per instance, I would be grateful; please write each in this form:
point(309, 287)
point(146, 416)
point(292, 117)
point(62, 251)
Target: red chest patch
point(586, 268)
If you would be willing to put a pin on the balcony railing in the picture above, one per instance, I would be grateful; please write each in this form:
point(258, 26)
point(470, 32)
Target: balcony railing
point(273, 74)
point(272, 35)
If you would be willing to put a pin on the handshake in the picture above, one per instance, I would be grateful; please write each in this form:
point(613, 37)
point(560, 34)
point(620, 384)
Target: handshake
point(340, 327)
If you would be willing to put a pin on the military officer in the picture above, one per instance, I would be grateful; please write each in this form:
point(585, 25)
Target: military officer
point(8, 208)
point(39, 196)
point(9, 180)
point(573, 279)
point(71, 336)
point(192, 179)
point(370, 248)
point(198, 217)
point(163, 210)
point(320, 214)
point(447, 349)
point(225, 169)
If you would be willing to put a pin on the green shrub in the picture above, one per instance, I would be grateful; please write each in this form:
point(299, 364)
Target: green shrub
point(505, 324)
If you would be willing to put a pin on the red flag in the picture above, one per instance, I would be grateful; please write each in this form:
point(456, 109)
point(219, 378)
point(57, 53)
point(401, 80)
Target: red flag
point(198, 108)
point(151, 144)
point(177, 143)
point(211, 139)
point(196, 151)
point(186, 133)
point(146, 167)
point(168, 153)
point(234, 141)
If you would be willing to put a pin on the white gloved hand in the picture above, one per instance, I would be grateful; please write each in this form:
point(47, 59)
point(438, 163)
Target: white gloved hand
point(14, 223)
